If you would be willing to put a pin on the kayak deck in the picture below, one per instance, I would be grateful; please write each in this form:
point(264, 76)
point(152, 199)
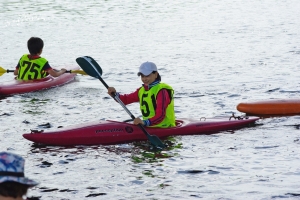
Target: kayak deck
point(114, 132)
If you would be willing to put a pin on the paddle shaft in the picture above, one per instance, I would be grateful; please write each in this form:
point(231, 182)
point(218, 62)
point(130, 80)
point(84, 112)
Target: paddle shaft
point(9, 70)
point(3, 71)
point(125, 108)
point(74, 71)
point(68, 71)
point(115, 96)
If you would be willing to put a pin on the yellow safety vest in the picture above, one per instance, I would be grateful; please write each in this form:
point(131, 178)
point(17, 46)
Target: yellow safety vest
point(147, 100)
point(31, 69)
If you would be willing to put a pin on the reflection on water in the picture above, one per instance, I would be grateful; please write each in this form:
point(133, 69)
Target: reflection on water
point(145, 154)
point(141, 151)
point(75, 150)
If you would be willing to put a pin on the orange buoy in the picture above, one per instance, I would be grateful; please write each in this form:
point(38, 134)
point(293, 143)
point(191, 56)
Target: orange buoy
point(271, 107)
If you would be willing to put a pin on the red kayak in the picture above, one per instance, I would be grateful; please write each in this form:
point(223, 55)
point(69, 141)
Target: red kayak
point(114, 132)
point(19, 86)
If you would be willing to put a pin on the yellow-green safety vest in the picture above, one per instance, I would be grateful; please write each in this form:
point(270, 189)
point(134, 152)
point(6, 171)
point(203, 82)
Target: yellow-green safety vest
point(31, 69)
point(147, 100)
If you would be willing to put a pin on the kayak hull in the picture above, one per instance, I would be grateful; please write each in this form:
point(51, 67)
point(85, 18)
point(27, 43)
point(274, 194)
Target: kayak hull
point(113, 132)
point(280, 107)
point(18, 86)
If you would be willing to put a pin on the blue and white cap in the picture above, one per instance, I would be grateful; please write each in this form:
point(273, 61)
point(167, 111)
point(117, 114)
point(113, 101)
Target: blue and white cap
point(12, 169)
point(147, 68)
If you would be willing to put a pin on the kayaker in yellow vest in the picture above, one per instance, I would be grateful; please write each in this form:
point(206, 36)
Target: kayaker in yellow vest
point(32, 66)
point(156, 99)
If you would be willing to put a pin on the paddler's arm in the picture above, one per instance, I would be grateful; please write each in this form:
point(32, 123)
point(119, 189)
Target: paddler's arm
point(125, 98)
point(55, 73)
point(16, 70)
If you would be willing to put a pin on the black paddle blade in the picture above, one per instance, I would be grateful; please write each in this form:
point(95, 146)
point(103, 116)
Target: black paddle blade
point(90, 66)
point(156, 142)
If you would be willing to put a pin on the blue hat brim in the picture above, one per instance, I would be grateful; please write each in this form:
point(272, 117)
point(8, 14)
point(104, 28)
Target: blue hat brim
point(22, 180)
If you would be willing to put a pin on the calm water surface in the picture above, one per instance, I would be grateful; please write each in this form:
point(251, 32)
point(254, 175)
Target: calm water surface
point(215, 54)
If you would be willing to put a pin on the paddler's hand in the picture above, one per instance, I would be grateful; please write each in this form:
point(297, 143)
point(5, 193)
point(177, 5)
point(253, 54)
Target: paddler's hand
point(63, 70)
point(111, 91)
point(137, 121)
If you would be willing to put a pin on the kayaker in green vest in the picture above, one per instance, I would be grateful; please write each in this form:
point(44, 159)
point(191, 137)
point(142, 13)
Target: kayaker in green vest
point(32, 66)
point(156, 99)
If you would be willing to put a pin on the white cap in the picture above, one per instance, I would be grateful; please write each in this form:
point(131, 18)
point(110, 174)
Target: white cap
point(147, 68)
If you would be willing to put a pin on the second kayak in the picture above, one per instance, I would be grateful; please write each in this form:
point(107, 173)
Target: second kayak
point(19, 86)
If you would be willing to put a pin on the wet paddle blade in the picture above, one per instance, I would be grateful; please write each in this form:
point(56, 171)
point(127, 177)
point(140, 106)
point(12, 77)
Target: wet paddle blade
point(90, 66)
point(2, 71)
point(156, 142)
